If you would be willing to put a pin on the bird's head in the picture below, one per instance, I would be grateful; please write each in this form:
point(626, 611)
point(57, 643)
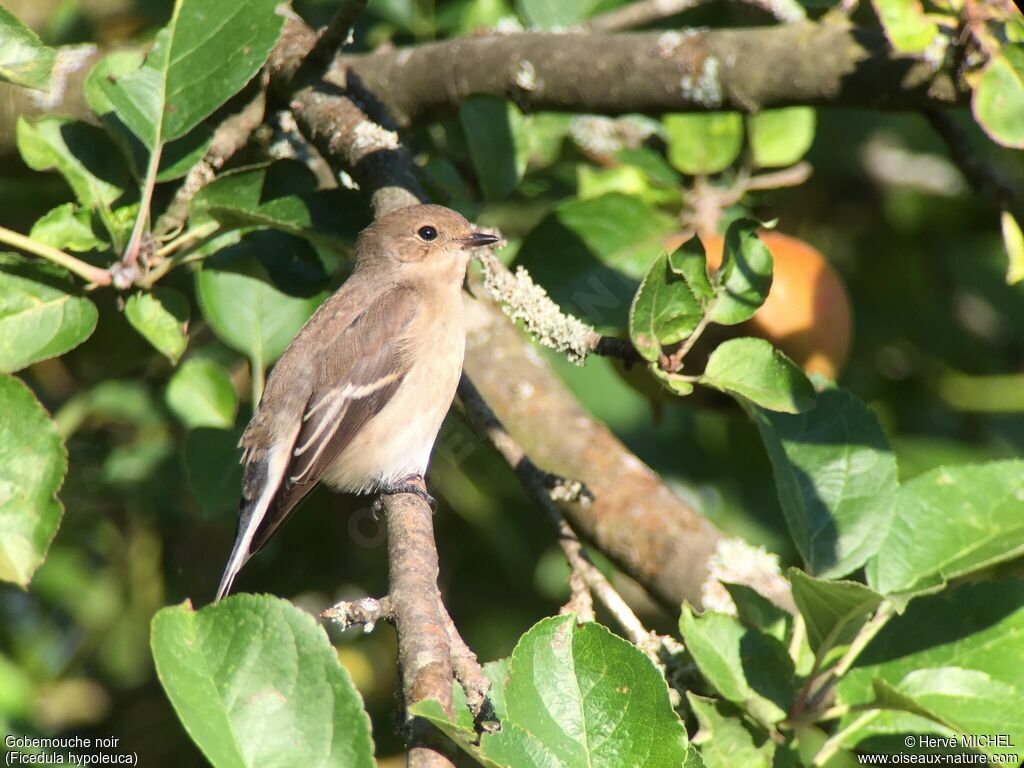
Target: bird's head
point(422, 239)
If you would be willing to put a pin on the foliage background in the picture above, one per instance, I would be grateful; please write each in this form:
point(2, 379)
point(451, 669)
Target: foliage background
point(935, 323)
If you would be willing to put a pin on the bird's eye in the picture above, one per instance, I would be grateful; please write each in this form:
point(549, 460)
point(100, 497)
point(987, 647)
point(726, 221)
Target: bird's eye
point(427, 233)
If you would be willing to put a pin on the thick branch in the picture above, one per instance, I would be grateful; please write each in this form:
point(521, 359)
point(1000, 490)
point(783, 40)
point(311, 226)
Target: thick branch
point(816, 64)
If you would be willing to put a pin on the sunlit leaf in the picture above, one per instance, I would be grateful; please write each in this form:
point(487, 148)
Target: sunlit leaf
point(706, 142)
point(780, 137)
point(68, 228)
point(24, 60)
point(1013, 241)
point(33, 462)
point(161, 316)
point(755, 370)
point(744, 277)
point(998, 98)
point(40, 315)
point(726, 741)
point(977, 628)
point(81, 153)
point(204, 55)
point(949, 522)
point(836, 479)
point(580, 696)
point(663, 311)
point(256, 682)
point(833, 611)
point(747, 667)
point(201, 394)
point(906, 25)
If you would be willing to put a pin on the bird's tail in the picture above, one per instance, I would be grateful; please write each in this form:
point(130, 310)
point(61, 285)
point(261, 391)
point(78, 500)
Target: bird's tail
point(240, 553)
point(251, 511)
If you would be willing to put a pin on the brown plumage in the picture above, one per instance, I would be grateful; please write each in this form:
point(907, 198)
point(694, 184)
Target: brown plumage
point(358, 397)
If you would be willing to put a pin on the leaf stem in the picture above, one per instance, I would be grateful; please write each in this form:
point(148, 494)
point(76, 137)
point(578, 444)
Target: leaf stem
point(833, 744)
point(867, 633)
point(675, 360)
point(258, 376)
point(87, 272)
point(167, 259)
point(131, 252)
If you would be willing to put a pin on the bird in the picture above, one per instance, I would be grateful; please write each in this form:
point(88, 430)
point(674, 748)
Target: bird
point(357, 398)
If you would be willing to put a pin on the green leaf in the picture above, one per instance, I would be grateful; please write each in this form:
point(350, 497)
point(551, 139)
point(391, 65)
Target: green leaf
point(664, 310)
point(283, 196)
point(188, 73)
point(68, 228)
point(906, 25)
point(604, 247)
point(835, 475)
point(257, 293)
point(977, 627)
point(950, 522)
point(213, 464)
point(24, 60)
point(1013, 241)
point(490, 126)
point(757, 371)
point(758, 612)
point(749, 668)
point(833, 611)
point(744, 277)
point(555, 14)
point(39, 318)
point(700, 143)
point(653, 164)
point(81, 153)
point(201, 394)
point(780, 137)
point(256, 682)
point(965, 701)
point(33, 462)
point(161, 316)
point(726, 741)
point(580, 696)
point(177, 158)
point(998, 98)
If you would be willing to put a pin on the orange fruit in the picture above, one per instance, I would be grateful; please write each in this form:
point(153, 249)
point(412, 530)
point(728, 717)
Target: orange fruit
point(807, 312)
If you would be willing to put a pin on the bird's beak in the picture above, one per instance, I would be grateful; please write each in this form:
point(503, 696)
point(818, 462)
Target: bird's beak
point(477, 239)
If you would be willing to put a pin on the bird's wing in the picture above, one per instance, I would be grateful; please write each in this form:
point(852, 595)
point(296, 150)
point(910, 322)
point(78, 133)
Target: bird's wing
point(359, 369)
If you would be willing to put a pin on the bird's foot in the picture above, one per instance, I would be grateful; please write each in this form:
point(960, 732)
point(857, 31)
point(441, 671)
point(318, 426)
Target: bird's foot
point(413, 484)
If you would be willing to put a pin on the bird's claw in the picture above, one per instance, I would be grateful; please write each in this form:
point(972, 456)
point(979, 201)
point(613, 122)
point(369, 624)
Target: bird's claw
point(413, 485)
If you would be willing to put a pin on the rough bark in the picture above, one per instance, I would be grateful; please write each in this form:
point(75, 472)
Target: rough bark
point(817, 64)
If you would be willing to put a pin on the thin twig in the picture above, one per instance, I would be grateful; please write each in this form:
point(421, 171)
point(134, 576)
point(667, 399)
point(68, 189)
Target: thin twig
point(983, 177)
point(538, 484)
point(87, 272)
point(366, 611)
point(337, 33)
point(467, 669)
point(229, 137)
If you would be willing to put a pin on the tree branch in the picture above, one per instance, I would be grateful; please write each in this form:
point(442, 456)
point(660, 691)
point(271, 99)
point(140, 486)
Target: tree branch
point(424, 650)
point(816, 64)
point(983, 178)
